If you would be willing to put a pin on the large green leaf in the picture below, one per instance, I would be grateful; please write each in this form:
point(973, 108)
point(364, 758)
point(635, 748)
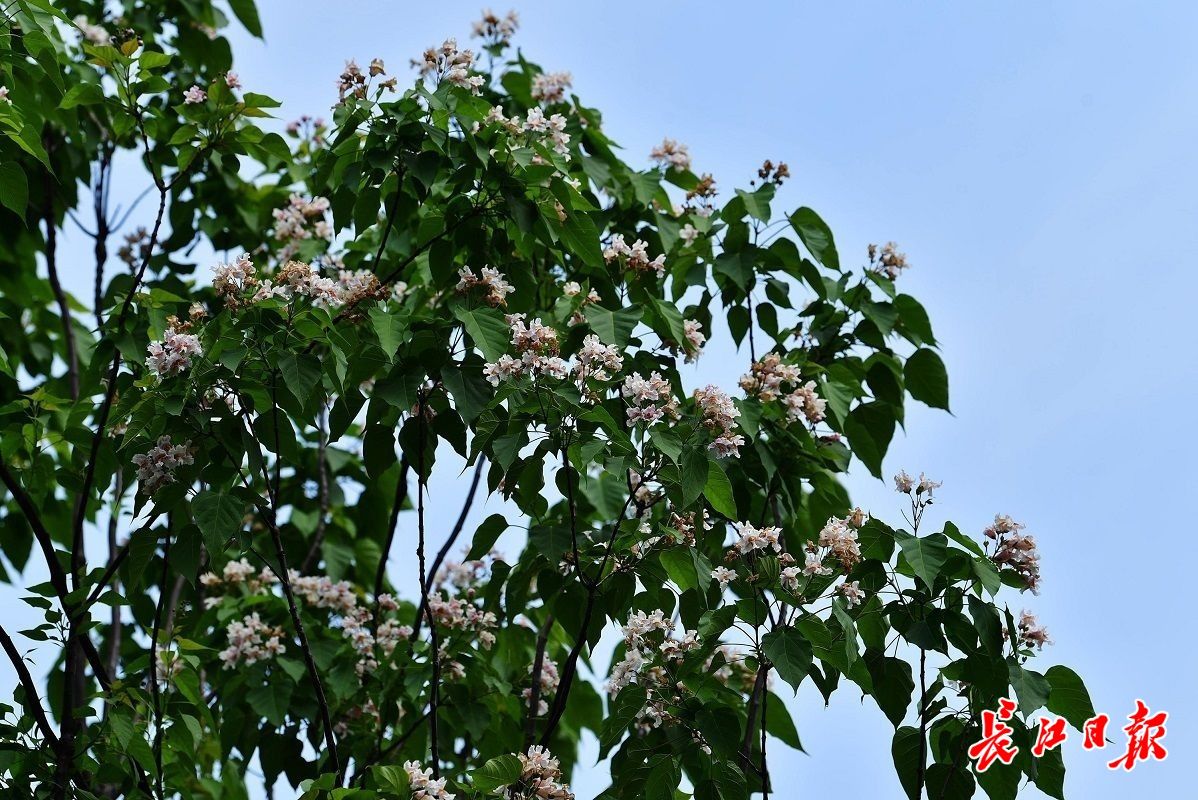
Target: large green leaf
point(496, 773)
point(870, 427)
point(487, 329)
point(926, 378)
point(789, 652)
point(1068, 697)
point(218, 515)
point(718, 491)
point(925, 554)
point(816, 236)
point(613, 327)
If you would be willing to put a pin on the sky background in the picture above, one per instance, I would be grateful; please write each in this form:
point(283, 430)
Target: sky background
point(1036, 163)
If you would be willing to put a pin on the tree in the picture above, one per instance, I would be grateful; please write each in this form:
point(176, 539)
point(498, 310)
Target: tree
point(462, 267)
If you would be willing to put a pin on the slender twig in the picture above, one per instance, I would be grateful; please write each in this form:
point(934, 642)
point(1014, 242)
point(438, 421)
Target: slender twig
point(282, 573)
point(155, 689)
point(401, 495)
point(33, 703)
point(534, 699)
point(449, 542)
point(322, 471)
point(434, 653)
point(60, 296)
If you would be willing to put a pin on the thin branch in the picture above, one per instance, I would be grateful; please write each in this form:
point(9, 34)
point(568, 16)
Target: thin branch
point(322, 471)
point(534, 698)
point(436, 565)
point(33, 703)
point(60, 297)
point(401, 494)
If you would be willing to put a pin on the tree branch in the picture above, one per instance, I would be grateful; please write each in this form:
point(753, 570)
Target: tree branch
point(33, 703)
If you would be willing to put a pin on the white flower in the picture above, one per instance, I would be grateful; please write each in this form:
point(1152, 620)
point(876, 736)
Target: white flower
point(852, 593)
point(173, 354)
point(156, 467)
point(671, 154)
point(194, 95)
point(724, 575)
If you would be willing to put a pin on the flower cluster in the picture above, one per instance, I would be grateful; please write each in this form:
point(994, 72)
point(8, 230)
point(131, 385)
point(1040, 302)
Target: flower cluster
point(550, 87)
point(649, 398)
point(837, 539)
point(536, 127)
point(542, 773)
point(634, 256)
point(750, 539)
point(173, 353)
point(302, 218)
point(645, 637)
point(695, 339)
point(671, 154)
point(354, 83)
point(852, 593)
point(596, 360)
point(767, 379)
point(1031, 632)
point(905, 484)
point(574, 289)
point(492, 280)
point(775, 174)
point(237, 573)
point(448, 63)
point(459, 614)
point(719, 417)
point(496, 30)
point(889, 262)
point(156, 467)
point(422, 784)
point(548, 681)
point(251, 640)
point(94, 34)
point(538, 348)
point(699, 198)
point(1015, 549)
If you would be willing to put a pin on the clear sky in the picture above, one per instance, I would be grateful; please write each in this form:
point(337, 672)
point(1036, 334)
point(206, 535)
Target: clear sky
point(1036, 162)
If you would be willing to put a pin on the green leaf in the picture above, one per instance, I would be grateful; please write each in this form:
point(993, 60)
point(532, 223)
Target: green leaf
point(870, 427)
point(1050, 774)
point(14, 188)
point(247, 12)
point(486, 535)
point(218, 515)
point(790, 653)
point(905, 749)
point(82, 94)
point(927, 379)
point(1031, 688)
point(892, 685)
point(687, 567)
point(926, 555)
point(613, 327)
point(1068, 697)
point(496, 773)
point(390, 328)
point(816, 237)
point(718, 491)
point(695, 469)
point(621, 713)
point(271, 700)
point(487, 329)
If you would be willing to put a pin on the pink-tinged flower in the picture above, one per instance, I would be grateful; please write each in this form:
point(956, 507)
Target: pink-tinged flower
point(94, 34)
point(251, 640)
point(671, 153)
point(1031, 632)
point(194, 95)
point(550, 87)
point(890, 262)
point(903, 483)
point(156, 467)
point(688, 234)
point(852, 593)
point(724, 575)
point(232, 80)
point(173, 354)
point(4, 95)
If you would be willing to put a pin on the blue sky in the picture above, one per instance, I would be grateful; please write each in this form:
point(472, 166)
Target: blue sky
point(1036, 163)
